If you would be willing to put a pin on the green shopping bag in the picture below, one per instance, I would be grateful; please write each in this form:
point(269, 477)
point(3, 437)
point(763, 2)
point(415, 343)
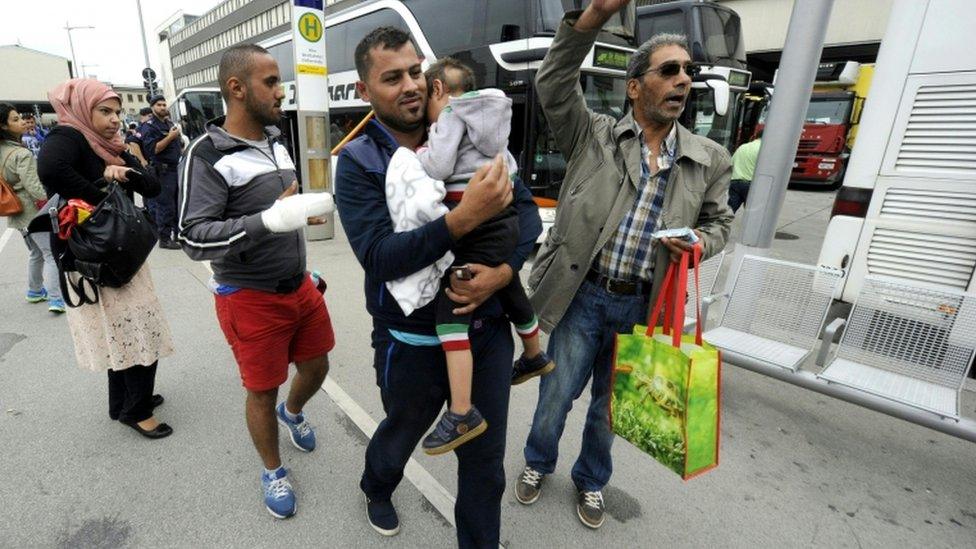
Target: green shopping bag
point(666, 397)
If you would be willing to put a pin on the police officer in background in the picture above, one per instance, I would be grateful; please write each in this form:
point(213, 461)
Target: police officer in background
point(162, 147)
point(134, 138)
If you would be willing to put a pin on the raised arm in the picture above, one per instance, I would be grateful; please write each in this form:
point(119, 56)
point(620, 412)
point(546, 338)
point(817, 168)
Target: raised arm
point(557, 82)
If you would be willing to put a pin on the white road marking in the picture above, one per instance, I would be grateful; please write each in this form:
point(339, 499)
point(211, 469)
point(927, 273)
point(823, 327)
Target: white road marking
point(436, 494)
point(433, 491)
point(5, 237)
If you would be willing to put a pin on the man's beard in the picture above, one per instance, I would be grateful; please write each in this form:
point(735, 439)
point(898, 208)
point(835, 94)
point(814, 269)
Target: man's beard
point(658, 115)
point(398, 124)
point(263, 115)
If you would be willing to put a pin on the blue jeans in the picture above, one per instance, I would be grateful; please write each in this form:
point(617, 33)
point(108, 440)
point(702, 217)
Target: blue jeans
point(42, 271)
point(738, 193)
point(582, 346)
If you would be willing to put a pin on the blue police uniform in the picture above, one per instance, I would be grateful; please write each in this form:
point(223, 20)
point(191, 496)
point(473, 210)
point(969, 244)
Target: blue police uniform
point(165, 165)
point(138, 137)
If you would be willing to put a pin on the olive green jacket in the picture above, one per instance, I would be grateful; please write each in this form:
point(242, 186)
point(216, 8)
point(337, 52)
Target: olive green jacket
point(20, 171)
point(602, 178)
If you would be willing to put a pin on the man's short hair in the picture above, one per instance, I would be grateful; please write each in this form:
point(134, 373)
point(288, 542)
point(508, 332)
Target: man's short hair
point(145, 111)
point(236, 62)
point(640, 61)
point(462, 82)
point(388, 38)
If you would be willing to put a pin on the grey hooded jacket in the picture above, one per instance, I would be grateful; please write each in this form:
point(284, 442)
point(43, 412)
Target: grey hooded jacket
point(469, 132)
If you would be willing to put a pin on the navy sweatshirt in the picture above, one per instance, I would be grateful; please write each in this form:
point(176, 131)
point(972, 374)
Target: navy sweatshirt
point(386, 255)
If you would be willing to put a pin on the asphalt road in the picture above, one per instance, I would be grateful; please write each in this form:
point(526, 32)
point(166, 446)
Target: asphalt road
point(798, 469)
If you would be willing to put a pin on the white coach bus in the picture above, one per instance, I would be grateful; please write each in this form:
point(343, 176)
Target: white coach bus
point(907, 208)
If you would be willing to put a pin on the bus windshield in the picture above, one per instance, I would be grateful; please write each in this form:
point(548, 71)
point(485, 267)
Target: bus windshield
point(603, 95)
point(552, 11)
point(828, 112)
point(196, 109)
point(722, 35)
point(707, 123)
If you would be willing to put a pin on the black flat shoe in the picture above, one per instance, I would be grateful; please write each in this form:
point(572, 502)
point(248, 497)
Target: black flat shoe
point(161, 431)
point(157, 400)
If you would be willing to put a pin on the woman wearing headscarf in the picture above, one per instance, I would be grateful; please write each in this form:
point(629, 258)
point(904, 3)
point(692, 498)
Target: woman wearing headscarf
point(19, 168)
point(125, 332)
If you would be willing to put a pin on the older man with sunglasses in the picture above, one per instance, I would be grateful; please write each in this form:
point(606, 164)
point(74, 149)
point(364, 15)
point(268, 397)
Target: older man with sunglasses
point(600, 266)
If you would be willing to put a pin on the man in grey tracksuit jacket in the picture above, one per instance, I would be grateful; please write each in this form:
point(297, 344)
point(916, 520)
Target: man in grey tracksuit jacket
point(238, 208)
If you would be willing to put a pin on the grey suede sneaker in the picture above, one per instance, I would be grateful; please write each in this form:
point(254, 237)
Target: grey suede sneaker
point(590, 508)
point(529, 486)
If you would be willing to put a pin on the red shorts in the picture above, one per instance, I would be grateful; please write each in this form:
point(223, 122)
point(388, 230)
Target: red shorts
point(268, 331)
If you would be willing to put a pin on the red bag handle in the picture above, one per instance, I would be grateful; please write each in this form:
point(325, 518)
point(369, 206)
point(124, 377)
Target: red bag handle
point(671, 299)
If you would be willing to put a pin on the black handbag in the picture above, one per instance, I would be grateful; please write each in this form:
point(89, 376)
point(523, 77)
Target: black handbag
point(108, 249)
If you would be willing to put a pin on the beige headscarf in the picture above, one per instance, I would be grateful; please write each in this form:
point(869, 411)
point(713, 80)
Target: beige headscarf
point(74, 101)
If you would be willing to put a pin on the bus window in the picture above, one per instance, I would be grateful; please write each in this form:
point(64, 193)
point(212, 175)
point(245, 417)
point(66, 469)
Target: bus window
point(200, 108)
point(283, 55)
point(603, 95)
point(341, 40)
point(340, 124)
point(464, 30)
point(668, 21)
point(720, 129)
point(721, 34)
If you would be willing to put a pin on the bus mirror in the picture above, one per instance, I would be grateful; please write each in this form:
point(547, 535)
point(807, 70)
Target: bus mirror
point(720, 89)
point(181, 107)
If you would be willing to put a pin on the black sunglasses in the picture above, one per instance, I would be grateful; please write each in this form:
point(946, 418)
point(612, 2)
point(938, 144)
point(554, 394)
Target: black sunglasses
point(672, 68)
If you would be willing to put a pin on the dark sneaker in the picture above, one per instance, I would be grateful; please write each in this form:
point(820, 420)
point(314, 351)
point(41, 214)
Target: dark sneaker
point(454, 430)
point(525, 369)
point(590, 508)
point(382, 516)
point(529, 486)
point(169, 245)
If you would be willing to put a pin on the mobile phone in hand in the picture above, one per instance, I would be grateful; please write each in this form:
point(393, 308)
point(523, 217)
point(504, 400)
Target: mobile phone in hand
point(462, 272)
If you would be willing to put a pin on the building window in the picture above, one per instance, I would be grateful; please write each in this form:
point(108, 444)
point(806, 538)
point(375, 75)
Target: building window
point(129, 97)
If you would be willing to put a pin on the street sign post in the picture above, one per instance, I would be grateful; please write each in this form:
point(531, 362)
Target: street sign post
point(312, 102)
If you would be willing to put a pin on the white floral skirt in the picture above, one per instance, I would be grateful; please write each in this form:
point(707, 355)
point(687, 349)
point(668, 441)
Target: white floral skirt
point(125, 328)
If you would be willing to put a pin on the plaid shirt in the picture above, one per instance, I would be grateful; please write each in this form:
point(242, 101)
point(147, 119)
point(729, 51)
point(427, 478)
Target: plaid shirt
point(628, 255)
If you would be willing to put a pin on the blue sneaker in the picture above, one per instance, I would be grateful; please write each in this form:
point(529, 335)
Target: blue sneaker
point(300, 432)
point(36, 297)
point(56, 305)
point(279, 497)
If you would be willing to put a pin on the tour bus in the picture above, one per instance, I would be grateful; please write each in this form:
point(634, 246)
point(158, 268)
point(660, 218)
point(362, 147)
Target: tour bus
point(503, 41)
point(907, 207)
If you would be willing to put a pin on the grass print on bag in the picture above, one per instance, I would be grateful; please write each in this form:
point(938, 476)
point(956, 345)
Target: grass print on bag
point(666, 386)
